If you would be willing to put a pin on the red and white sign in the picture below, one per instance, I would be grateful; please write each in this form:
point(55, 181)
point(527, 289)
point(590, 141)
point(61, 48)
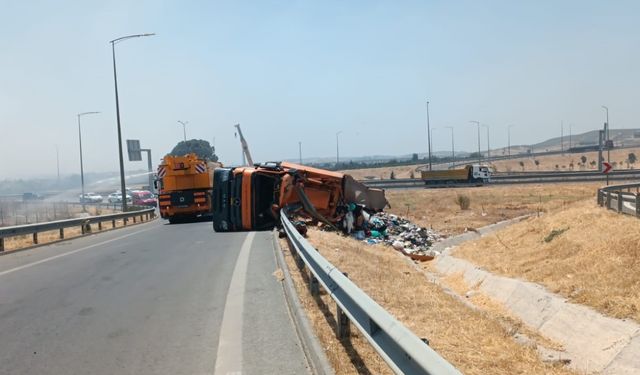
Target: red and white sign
point(606, 167)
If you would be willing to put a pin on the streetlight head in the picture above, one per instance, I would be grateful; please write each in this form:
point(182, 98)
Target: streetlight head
point(88, 113)
point(117, 40)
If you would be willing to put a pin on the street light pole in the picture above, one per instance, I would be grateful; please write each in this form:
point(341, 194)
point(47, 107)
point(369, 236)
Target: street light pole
point(338, 149)
point(115, 81)
point(562, 137)
point(82, 197)
point(488, 144)
point(429, 134)
point(606, 128)
point(300, 152)
point(479, 154)
point(570, 137)
point(58, 163)
point(509, 139)
point(453, 149)
point(607, 142)
point(184, 129)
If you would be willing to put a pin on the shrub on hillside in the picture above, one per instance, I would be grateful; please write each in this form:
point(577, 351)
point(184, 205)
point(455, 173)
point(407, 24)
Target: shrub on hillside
point(463, 201)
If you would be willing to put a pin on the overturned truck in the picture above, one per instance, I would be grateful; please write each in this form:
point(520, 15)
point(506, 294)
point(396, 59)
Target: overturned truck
point(251, 198)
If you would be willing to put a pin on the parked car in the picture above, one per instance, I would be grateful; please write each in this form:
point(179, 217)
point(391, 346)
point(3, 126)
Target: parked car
point(144, 198)
point(90, 198)
point(116, 197)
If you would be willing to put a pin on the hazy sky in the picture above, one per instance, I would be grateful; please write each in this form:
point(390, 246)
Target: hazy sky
point(292, 71)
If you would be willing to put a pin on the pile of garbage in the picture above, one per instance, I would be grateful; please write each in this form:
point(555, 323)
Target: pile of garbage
point(392, 230)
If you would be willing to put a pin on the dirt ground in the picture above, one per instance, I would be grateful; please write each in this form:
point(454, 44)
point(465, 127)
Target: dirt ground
point(545, 163)
point(588, 254)
point(475, 342)
point(437, 208)
point(564, 162)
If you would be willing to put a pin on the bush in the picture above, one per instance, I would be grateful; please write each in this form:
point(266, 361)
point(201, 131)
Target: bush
point(463, 201)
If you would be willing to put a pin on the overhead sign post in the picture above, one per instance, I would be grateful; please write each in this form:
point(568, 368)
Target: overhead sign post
point(606, 168)
point(133, 149)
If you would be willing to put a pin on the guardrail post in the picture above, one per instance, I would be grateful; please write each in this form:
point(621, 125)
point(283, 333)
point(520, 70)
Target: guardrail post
point(599, 199)
point(124, 221)
point(637, 205)
point(134, 219)
point(314, 286)
point(113, 223)
point(608, 200)
point(99, 225)
point(1, 243)
point(35, 238)
point(62, 233)
point(619, 201)
point(343, 328)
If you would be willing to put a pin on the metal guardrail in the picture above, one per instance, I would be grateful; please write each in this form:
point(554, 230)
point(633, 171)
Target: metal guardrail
point(514, 179)
point(83, 223)
point(614, 198)
point(400, 348)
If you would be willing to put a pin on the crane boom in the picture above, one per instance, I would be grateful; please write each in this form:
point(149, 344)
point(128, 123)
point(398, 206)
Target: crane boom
point(245, 146)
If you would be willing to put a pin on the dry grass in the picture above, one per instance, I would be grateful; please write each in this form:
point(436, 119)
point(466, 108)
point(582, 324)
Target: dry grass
point(492, 308)
point(353, 356)
point(548, 163)
point(21, 242)
point(437, 208)
point(469, 339)
point(403, 171)
point(595, 262)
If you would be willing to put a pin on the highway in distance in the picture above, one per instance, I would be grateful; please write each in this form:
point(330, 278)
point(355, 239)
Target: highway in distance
point(148, 299)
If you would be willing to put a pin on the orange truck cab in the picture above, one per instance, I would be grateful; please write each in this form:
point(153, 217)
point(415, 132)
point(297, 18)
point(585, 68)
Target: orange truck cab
point(250, 198)
point(184, 187)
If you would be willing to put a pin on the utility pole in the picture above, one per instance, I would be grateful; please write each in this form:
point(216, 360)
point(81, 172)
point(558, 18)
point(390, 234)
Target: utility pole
point(300, 152)
point(429, 135)
point(479, 154)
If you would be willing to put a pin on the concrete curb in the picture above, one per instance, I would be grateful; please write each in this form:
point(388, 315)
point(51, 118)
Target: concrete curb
point(310, 344)
point(593, 342)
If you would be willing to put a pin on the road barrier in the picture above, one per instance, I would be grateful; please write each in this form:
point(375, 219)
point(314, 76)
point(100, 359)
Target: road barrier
point(513, 178)
point(84, 224)
point(614, 198)
point(400, 348)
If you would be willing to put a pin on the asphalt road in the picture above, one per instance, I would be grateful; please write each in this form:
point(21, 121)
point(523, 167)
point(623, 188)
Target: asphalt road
point(149, 299)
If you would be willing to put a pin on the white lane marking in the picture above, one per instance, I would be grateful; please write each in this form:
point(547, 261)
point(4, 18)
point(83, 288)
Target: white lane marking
point(229, 357)
point(29, 265)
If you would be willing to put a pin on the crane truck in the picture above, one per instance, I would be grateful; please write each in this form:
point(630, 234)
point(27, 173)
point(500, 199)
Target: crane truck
point(246, 155)
point(184, 187)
